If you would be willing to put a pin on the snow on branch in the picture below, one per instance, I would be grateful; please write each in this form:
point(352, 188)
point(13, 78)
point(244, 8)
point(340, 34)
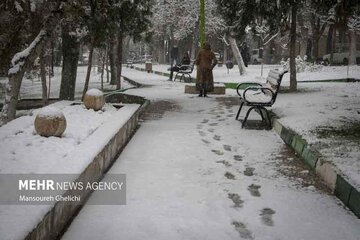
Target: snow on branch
point(354, 23)
point(19, 58)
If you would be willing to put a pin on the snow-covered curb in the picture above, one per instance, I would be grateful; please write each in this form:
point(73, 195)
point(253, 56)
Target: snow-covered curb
point(90, 160)
point(332, 176)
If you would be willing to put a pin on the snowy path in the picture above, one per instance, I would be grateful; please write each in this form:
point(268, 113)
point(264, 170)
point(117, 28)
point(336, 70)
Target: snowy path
point(193, 173)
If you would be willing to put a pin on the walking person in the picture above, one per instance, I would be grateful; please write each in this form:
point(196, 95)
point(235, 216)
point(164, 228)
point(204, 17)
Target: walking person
point(184, 61)
point(205, 63)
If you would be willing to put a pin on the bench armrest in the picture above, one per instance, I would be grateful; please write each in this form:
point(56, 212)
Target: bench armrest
point(239, 86)
point(263, 90)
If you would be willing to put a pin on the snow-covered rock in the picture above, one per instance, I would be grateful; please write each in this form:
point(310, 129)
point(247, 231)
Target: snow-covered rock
point(94, 99)
point(50, 122)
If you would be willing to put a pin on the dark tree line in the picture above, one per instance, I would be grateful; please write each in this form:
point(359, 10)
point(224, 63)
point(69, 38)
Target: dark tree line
point(31, 28)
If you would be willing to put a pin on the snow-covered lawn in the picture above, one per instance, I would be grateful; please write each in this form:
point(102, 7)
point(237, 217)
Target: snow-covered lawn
point(327, 115)
point(195, 174)
point(31, 88)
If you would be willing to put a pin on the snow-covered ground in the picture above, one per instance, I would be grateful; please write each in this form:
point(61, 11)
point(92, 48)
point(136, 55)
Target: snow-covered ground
point(314, 106)
point(254, 71)
point(195, 174)
point(23, 151)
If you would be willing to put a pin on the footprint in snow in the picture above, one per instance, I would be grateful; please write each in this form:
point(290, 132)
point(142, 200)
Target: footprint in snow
point(238, 203)
point(249, 171)
point(205, 121)
point(221, 119)
point(217, 137)
point(211, 130)
point(227, 147)
point(199, 126)
point(226, 163)
point(266, 216)
point(254, 190)
point(203, 134)
point(242, 230)
point(238, 158)
point(218, 152)
point(229, 175)
point(230, 115)
point(213, 124)
point(205, 141)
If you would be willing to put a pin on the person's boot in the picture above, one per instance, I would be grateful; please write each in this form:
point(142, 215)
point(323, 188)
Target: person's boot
point(205, 93)
point(201, 93)
point(205, 90)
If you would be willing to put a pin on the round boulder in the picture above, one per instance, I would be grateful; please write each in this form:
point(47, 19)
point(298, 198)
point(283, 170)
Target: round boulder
point(50, 122)
point(94, 99)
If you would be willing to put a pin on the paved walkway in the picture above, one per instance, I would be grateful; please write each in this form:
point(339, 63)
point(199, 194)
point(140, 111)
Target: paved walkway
point(193, 173)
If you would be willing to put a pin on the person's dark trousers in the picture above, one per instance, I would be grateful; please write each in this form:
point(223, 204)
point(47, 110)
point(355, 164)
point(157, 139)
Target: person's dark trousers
point(172, 70)
point(203, 90)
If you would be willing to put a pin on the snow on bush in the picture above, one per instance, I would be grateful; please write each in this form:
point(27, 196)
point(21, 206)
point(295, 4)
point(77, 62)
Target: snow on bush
point(302, 65)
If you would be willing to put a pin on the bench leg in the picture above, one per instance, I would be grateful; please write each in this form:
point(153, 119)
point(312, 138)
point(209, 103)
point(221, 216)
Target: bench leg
point(268, 117)
point(175, 77)
point(261, 114)
point(246, 117)
point(238, 113)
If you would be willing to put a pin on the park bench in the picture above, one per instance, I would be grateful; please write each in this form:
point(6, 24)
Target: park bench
point(185, 71)
point(130, 62)
point(259, 96)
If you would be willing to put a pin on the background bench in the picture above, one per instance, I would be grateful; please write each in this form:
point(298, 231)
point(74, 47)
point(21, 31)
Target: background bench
point(258, 96)
point(185, 71)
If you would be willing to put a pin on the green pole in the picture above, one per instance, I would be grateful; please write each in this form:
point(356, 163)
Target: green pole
point(202, 22)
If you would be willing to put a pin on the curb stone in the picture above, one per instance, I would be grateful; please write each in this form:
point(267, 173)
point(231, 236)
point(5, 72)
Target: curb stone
point(331, 175)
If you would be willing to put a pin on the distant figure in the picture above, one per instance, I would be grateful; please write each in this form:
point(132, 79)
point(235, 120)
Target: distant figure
point(245, 54)
point(184, 61)
point(174, 54)
point(205, 62)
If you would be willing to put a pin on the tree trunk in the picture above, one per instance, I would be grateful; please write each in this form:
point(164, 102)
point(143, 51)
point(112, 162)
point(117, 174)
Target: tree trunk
point(161, 52)
point(112, 58)
point(329, 39)
point(107, 64)
point(16, 74)
point(70, 49)
point(43, 77)
point(103, 60)
point(237, 55)
point(87, 79)
point(333, 41)
point(119, 60)
point(21, 62)
point(293, 82)
point(202, 23)
point(352, 49)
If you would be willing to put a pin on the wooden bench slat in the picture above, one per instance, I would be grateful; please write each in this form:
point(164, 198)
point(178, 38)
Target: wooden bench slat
point(274, 74)
point(273, 81)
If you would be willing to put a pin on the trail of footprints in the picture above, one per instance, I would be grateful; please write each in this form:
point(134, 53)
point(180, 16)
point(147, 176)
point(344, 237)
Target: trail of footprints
point(266, 214)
